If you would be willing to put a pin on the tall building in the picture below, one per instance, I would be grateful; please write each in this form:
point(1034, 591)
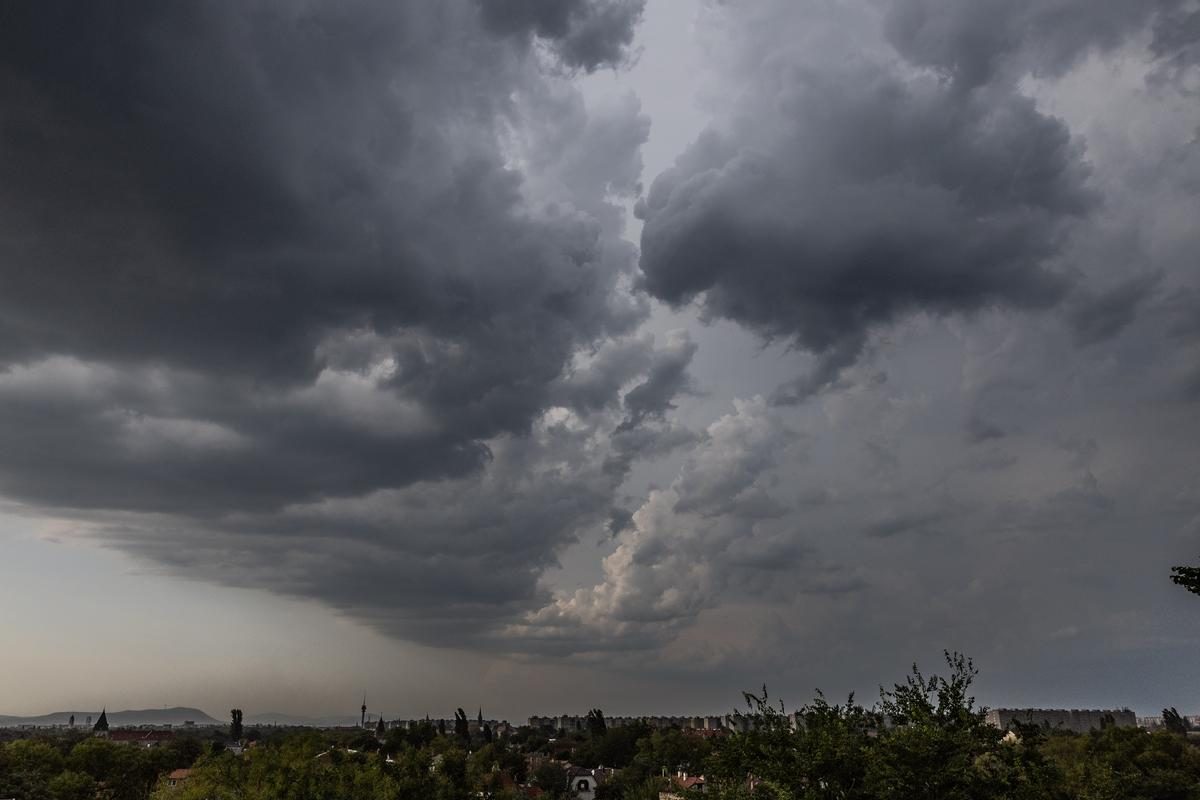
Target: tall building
point(1077, 720)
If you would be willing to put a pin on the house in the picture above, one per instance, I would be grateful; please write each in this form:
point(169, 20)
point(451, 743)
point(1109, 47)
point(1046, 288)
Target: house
point(582, 783)
point(1079, 721)
point(178, 777)
point(689, 783)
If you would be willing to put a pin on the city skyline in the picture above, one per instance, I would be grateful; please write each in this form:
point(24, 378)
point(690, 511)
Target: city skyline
point(607, 353)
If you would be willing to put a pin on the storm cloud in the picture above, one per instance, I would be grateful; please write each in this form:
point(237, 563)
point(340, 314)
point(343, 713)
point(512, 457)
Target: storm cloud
point(585, 33)
point(336, 301)
point(839, 195)
point(282, 282)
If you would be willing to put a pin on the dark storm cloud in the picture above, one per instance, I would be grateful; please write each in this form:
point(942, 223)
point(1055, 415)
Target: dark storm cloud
point(864, 198)
point(849, 192)
point(1100, 316)
point(585, 33)
point(833, 196)
point(289, 292)
point(977, 40)
point(1176, 45)
point(668, 379)
point(980, 430)
point(332, 302)
point(906, 523)
point(230, 195)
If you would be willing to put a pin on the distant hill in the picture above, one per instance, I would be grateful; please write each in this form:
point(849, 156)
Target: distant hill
point(117, 719)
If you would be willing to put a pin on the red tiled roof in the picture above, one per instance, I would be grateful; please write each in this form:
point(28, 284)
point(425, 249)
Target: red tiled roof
point(179, 774)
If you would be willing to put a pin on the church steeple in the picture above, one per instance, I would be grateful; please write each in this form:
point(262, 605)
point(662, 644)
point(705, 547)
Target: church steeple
point(101, 725)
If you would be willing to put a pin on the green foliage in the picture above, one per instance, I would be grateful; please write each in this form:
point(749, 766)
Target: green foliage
point(551, 778)
point(1126, 764)
point(616, 748)
point(1187, 577)
point(925, 738)
point(1175, 722)
point(72, 786)
point(73, 768)
point(626, 787)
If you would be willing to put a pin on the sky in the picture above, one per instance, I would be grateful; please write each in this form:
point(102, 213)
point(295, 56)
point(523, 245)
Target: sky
point(544, 355)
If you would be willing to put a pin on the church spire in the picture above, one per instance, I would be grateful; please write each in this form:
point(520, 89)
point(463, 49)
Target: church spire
point(101, 725)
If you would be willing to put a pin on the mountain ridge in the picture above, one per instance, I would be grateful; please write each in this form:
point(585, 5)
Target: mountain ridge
point(176, 715)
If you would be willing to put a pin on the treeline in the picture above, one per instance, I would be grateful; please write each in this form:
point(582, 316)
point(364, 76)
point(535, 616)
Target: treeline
point(927, 739)
point(923, 740)
point(76, 767)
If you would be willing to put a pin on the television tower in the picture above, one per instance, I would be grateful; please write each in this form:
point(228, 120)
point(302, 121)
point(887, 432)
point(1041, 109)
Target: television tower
point(363, 724)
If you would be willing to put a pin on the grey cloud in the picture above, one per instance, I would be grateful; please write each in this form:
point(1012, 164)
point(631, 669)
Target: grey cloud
point(904, 523)
point(976, 41)
point(279, 305)
point(620, 520)
point(717, 532)
point(850, 196)
point(351, 325)
point(585, 33)
point(228, 194)
point(446, 562)
point(1176, 44)
point(1099, 316)
point(980, 430)
point(1074, 459)
point(668, 378)
point(596, 384)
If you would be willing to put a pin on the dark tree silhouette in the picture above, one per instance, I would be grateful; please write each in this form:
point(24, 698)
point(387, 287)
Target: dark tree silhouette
point(1187, 577)
point(461, 729)
point(1175, 722)
point(595, 722)
point(235, 724)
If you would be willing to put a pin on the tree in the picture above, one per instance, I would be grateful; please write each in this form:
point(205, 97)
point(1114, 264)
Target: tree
point(1175, 722)
point(595, 722)
point(551, 778)
point(937, 734)
point(72, 786)
point(235, 724)
point(1187, 577)
point(462, 730)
